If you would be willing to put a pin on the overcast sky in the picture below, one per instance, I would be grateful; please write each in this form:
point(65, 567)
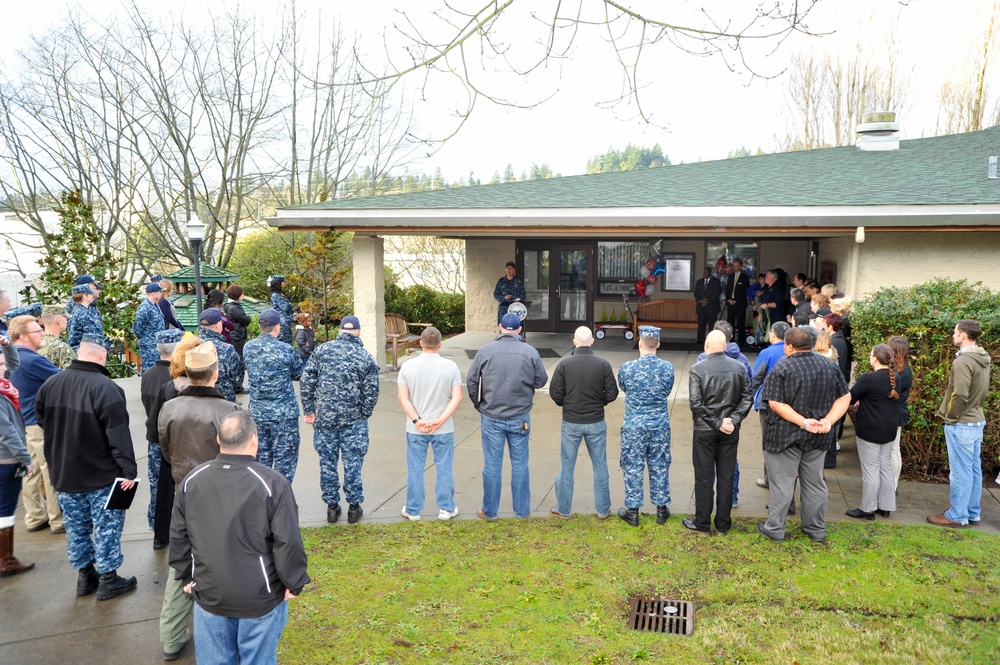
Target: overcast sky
point(703, 109)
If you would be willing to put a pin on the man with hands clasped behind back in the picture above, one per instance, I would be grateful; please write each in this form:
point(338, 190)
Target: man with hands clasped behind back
point(806, 395)
point(430, 390)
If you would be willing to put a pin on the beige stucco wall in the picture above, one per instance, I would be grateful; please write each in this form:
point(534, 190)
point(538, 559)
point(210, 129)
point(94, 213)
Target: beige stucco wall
point(485, 259)
point(892, 259)
point(841, 252)
point(369, 294)
point(792, 256)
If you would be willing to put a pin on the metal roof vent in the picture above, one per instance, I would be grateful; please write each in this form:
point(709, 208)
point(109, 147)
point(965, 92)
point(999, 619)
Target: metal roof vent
point(878, 131)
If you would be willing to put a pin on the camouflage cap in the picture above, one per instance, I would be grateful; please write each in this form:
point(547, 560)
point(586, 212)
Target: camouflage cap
point(34, 309)
point(172, 336)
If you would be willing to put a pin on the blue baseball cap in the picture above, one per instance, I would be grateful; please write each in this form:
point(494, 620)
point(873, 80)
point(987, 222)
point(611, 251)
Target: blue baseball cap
point(153, 287)
point(269, 317)
point(210, 317)
point(350, 323)
point(510, 321)
point(89, 279)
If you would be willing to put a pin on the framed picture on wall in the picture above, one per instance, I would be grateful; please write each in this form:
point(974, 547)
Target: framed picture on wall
point(678, 272)
point(827, 272)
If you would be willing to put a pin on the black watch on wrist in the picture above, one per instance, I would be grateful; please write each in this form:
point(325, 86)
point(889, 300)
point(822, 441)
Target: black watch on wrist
point(416, 419)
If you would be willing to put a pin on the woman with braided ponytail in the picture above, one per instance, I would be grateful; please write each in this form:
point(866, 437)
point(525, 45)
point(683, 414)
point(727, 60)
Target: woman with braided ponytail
point(876, 428)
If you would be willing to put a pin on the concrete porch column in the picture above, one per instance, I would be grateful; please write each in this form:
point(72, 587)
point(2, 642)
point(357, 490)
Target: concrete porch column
point(369, 294)
point(485, 259)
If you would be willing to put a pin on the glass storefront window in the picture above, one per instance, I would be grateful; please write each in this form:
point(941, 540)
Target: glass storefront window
point(618, 265)
point(747, 250)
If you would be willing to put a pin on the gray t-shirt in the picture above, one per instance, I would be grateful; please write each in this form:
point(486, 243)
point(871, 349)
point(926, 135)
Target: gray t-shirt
point(430, 378)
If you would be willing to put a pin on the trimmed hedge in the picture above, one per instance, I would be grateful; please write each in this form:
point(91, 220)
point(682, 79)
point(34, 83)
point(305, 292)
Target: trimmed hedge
point(926, 315)
point(446, 311)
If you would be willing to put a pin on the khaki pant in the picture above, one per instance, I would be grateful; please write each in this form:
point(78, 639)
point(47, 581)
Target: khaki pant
point(175, 614)
point(41, 502)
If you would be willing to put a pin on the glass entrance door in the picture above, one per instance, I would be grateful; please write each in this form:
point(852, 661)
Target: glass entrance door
point(559, 285)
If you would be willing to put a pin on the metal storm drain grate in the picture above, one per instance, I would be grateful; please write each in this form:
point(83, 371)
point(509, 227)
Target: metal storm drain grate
point(660, 615)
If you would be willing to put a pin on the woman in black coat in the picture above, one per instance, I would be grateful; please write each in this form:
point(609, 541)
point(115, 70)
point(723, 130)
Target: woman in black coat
point(237, 316)
point(875, 423)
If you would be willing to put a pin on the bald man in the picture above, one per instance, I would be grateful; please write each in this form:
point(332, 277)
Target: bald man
point(84, 419)
point(720, 398)
point(583, 385)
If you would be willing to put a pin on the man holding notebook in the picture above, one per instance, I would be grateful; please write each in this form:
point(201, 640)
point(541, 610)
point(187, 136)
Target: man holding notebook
point(87, 444)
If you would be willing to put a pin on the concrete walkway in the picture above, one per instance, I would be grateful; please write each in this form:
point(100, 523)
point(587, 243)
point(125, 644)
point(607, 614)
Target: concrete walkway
point(44, 622)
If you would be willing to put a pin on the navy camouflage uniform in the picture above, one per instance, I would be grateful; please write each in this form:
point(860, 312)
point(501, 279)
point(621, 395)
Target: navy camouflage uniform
point(271, 367)
point(84, 321)
point(645, 440)
point(340, 384)
point(93, 534)
point(284, 307)
point(230, 365)
point(507, 287)
point(148, 322)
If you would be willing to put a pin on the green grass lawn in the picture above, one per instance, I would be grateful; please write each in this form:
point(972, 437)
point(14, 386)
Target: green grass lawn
point(552, 591)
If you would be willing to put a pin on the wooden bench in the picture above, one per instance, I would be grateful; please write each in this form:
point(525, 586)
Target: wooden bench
point(397, 333)
point(665, 314)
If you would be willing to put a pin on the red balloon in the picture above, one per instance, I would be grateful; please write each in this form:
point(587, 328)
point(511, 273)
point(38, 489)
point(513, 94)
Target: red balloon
point(651, 264)
point(640, 288)
point(651, 279)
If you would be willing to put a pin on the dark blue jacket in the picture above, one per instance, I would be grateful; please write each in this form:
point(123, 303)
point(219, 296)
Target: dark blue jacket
point(29, 377)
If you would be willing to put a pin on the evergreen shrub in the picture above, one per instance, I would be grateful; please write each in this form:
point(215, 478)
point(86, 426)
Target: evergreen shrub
point(926, 315)
point(445, 311)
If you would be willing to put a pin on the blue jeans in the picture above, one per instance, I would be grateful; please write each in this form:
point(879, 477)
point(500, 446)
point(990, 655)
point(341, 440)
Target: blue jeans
point(513, 431)
point(416, 459)
point(10, 489)
point(596, 436)
point(965, 476)
point(220, 640)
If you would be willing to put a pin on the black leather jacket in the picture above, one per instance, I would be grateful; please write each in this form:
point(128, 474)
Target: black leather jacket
point(718, 388)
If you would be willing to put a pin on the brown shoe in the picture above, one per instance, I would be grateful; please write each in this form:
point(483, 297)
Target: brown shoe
point(555, 511)
point(9, 565)
point(484, 516)
point(941, 520)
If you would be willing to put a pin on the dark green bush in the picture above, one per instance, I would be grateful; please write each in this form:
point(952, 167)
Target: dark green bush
point(926, 315)
point(446, 311)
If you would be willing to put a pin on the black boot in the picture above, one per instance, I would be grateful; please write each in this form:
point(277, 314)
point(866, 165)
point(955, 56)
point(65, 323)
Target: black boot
point(354, 513)
point(112, 584)
point(662, 513)
point(87, 582)
point(333, 513)
point(630, 515)
point(884, 513)
point(860, 514)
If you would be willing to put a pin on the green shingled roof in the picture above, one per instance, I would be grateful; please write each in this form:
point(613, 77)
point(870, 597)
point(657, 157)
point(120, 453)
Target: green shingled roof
point(186, 308)
point(208, 273)
point(949, 170)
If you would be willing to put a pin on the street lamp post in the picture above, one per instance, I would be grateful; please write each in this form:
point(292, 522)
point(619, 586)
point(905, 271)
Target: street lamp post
point(28, 283)
point(196, 233)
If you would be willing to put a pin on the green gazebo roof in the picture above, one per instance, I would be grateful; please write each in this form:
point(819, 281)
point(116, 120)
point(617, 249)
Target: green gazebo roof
point(186, 304)
point(209, 273)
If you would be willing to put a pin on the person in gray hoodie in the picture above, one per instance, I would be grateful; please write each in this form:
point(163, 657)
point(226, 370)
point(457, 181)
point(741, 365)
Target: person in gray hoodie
point(964, 422)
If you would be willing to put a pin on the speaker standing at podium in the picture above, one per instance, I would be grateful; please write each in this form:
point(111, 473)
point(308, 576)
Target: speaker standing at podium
point(509, 289)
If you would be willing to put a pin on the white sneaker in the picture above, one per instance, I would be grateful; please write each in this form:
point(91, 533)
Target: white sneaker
point(412, 518)
point(446, 515)
point(838, 446)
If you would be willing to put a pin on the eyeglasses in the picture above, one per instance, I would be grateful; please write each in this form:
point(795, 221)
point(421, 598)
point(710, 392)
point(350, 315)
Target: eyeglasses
point(35, 332)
